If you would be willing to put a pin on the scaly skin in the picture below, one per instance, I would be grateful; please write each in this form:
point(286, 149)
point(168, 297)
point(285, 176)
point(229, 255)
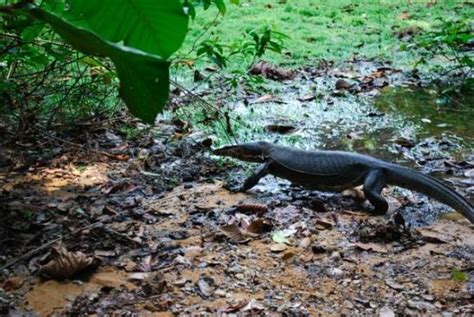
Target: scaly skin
point(337, 170)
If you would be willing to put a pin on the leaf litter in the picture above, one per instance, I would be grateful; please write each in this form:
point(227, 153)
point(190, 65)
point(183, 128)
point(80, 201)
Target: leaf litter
point(196, 248)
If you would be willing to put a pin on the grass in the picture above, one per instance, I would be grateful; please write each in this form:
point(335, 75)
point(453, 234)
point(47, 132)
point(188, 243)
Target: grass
point(328, 29)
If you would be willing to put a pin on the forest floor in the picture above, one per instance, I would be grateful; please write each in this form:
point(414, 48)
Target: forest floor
point(99, 219)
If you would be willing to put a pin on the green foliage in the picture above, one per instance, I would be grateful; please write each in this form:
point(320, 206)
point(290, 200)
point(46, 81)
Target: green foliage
point(459, 276)
point(137, 37)
point(254, 44)
point(191, 5)
point(450, 40)
point(143, 77)
point(154, 27)
point(130, 132)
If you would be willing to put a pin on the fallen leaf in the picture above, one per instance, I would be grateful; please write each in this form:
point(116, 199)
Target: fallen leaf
point(253, 305)
point(287, 256)
point(404, 142)
point(307, 97)
point(356, 193)
point(234, 233)
point(257, 227)
point(138, 276)
point(324, 224)
point(271, 71)
point(13, 283)
point(276, 248)
point(371, 247)
point(65, 264)
point(432, 236)
point(305, 243)
point(278, 128)
point(279, 237)
point(266, 98)
point(342, 84)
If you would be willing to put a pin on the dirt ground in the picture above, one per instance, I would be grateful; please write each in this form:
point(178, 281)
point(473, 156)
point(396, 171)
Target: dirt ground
point(195, 248)
point(95, 222)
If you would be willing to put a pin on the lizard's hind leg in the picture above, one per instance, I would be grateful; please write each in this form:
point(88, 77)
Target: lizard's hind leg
point(373, 185)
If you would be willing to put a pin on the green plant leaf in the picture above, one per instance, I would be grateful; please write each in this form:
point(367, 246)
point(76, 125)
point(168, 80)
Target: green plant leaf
point(220, 6)
point(459, 276)
point(153, 26)
point(144, 78)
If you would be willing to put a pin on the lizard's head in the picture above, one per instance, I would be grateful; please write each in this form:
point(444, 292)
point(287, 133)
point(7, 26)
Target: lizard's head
point(250, 152)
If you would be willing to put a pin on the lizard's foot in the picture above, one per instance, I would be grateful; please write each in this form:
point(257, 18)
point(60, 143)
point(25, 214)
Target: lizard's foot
point(374, 210)
point(233, 187)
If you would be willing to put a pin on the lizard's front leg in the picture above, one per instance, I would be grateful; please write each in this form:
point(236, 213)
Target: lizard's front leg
point(250, 182)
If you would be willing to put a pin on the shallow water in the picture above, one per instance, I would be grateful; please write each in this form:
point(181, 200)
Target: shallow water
point(433, 112)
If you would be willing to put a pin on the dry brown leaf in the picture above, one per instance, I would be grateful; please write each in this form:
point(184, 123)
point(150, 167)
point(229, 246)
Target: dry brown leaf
point(342, 84)
point(371, 247)
point(13, 283)
point(271, 71)
point(234, 233)
point(256, 227)
point(280, 128)
point(288, 256)
point(432, 236)
point(65, 264)
point(324, 224)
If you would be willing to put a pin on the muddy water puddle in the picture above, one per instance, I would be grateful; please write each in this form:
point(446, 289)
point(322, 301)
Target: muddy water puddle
point(435, 113)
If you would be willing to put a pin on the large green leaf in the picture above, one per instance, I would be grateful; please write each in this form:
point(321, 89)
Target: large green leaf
point(144, 77)
point(154, 26)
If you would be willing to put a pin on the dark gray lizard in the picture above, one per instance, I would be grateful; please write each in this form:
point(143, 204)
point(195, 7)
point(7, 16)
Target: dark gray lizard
point(338, 170)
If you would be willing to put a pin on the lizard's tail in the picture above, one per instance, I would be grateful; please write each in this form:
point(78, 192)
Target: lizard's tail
point(425, 184)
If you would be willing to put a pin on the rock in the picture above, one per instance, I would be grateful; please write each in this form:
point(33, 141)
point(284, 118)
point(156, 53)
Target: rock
point(386, 312)
point(334, 272)
point(220, 292)
point(420, 305)
point(278, 247)
point(138, 276)
point(235, 269)
point(305, 242)
point(335, 256)
point(348, 304)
